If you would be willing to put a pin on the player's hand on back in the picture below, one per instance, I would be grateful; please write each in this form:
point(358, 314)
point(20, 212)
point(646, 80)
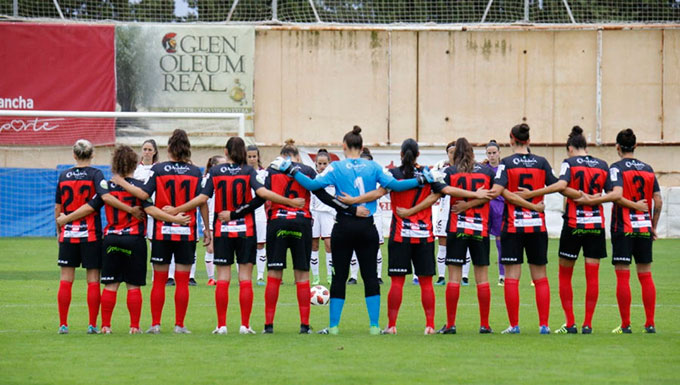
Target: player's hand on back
point(170, 210)
point(182, 219)
point(138, 213)
point(61, 220)
point(539, 207)
point(403, 212)
point(524, 193)
point(224, 216)
point(362, 211)
point(584, 199)
point(641, 205)
point(459, 207)
point(483, 194)
point(298, 203)
point(347, 199)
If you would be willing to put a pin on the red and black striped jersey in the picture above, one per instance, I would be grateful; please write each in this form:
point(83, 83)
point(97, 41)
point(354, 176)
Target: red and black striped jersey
point(590, 175)
point(285, 185)
point(531, 172)
point(174, 183)
point(231, 184)
point(638, 182)
point(418, 227)
point(474, 221)
point(78, 186)
point(122, 223)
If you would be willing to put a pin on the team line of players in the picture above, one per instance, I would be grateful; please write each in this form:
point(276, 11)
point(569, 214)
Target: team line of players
point(521, 179)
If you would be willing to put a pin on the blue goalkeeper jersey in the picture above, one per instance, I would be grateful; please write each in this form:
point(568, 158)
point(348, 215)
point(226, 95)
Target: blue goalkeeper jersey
point(355, 177)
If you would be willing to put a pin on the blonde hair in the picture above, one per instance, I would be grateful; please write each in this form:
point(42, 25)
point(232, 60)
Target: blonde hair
point(83, 149)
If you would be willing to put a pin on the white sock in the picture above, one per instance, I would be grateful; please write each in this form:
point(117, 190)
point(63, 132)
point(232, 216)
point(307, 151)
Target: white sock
point(171, 269)
point(379, 262)
point(314, 263)
point(261, 262)
point(209, 267)
point(441, 261)
point(354, 267)
point(329, 263)
point(192, 274)
point(466, 266)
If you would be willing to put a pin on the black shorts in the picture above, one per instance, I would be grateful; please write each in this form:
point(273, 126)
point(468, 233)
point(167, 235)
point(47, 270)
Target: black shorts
point(163, 251)
point(592, 241)
point(458, 244)
point(513, 246)
point(87, 254)
point(293, 234)
point(124, 259)
point(637, 245)
point(245, 249)
point(401, 254)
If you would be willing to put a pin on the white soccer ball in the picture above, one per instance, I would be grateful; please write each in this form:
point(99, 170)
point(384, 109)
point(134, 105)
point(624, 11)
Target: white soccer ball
point(319, 295)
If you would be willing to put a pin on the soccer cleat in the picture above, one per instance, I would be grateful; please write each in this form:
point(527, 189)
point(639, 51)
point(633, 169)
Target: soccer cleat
point(260, 282)
point(389, 330)
point(170, 282)
point(441, 281)
point(135, 331)
point(511, 330)
point(465, 281)
point(92, 330)
point(329, 280)
point(374, 331)
point(415, 281)
point(501, 281)
point(445, 330)
point(211, 282)
point(532, 283)
point(154, 329)
point(429, 331)
point(106, 330)
point(544, 329)
point(586, 330)
point(63, 329)
point(649, 329)
point(305, 329)
point(352, 281)
point(181, 330)
point(246, 330)
point(485, 330)
point(567, 329)
point(315, 280)
point(622, 330)
point(192, 282)
point(268, 329)
point(220, 330)
point(332, 331)
point(380, 281)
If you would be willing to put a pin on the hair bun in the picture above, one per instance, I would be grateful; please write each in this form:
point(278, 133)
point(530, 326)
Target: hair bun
point(524, 128)
point(290, 141)
point(493, 141)
point(322, 150)
point(576, 130)
point(356, 130)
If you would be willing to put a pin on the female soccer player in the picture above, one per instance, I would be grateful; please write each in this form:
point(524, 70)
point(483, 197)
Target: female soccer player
point(231, 183)
point(493, 157)
point(354, 176)
point(442, 219)
point(124, 257)
point(633, 229)
point(524, 226)
point(80, 240)
point(323, 220)
point(209, 249)
point(174, 182)
point(255, 162)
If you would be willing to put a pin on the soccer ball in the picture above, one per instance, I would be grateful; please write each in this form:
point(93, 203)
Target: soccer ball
point(319, 295)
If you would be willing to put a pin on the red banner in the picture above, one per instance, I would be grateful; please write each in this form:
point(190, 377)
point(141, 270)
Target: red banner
point(57, 67)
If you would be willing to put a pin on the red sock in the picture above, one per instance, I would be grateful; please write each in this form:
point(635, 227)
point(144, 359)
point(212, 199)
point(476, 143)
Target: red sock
point(158, 296)
point(108, 304)
point(134, 305)
point(304, 301)
point(394, 298)
point(511, 290)
point(271, 296)
point(245, 298)
point(452, 295)
point(592, 291)
point(648, 296)
point(427, 299)
point(181, 296)
point(93, 301)
point(221, 302)
point(623, 295)
point(484, 299)
point(542, 290)
point(64, 301)
point(567, 293)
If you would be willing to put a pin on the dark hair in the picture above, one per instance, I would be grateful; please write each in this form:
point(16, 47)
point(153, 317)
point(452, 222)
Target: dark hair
point(464, 156)
point(323, 152)
point(212, 161)
point(520, 133)
point(451, 144)
point(366, 154)
point(493, 143)
point(155, 148)
point(576, 138)
point(236, 148)
point(83, 149)
point(124, 160)
point(289, 149)
point(626, 140)
point(409, 153)
point(353, 138)
point(179, 146)
point(253, 147)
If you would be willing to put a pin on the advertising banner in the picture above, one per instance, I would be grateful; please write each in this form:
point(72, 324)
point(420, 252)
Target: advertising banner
point(56, 67)
point(184, 68)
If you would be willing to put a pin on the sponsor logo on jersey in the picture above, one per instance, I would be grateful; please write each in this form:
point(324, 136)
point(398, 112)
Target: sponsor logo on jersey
point(527, 162)
point(590, 162)
point(76, 174)
point(180, 169)
point(635, 164)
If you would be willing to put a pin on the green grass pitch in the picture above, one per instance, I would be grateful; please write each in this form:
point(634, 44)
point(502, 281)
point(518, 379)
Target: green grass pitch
point(31, 352)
